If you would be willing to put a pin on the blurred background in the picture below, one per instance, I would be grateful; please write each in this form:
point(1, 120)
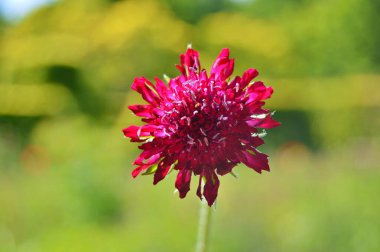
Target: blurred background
point(65, 73)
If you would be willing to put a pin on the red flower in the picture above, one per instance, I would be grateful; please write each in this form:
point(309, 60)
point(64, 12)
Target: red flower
point(199, 124)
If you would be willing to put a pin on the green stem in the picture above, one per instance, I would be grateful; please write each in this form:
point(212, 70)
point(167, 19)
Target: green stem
point(204, 227)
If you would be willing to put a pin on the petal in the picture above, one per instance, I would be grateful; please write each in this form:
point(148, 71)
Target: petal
point(136, 132)
point(258, 92)
point(182, 182)
point(256, 108)
point(223, 66)
point(131, 132)
point(189, 62)
point(248, 76)
point(162, 170)
point(225, 167)
point(190, 59)
point(142, 110)
point(150, 157)
point(210, 189)
point(161, 88)
point(146, 89)
point(257, 161)
point(199, 189)
point(253, 141)
point(139, 169)
point(268, 123)
point(235, 83)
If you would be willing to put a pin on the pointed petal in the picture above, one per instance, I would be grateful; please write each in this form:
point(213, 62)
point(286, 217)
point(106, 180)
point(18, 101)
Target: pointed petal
point(146, 89)
point(161, 88)
point(182, 182)
point(268, 123)
point(136, 132)
point(139, 169)
point(189, 62)
point(199, 189)
point(210, 190)
point(142, 110)
point(162, 170)
point(225, 167)
point(223, 66)
point(257, 161)
point(258, 92)
point(150, 157)
point(248, 75)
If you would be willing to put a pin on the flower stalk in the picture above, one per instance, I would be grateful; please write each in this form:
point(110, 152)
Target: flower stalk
point(204, 226)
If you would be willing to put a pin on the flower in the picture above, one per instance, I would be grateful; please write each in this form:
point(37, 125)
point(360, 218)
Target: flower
point(201, 124)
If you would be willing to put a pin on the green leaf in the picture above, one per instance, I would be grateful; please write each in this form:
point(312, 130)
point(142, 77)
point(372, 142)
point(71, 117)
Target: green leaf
point(151, 170)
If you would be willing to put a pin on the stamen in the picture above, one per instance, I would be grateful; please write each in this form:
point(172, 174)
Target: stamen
point(171, 129)
point(203, 104)
point(216, 135)
point(200, 142)
point(193, 96)
point(203, 133)
point(221, 139)
point(216, 104)
point(237, 87)
point(258, 116)
point(166, 133)
point(139, 132)
point(206, 140)
point(225, 105)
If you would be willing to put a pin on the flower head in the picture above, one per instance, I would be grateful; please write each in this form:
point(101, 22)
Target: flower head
point(201, 124)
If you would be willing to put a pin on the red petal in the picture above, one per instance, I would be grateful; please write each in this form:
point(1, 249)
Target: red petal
point(258, 161)
point(161, 88)
point(146, 89)
point(258, 92)
point(162, 170)
point(139, 169)
point(255, 108)
point(225, 167)
point(135, 132)
point(210, 190)
point(182, 182)
point(223, 66)
point(248, 76)
point(150, 156)
point(191, 59)
point(199, 189)
point(142, 110)
point(253, 141)
point(189, 62)
point(131, 132)
point(268, 123)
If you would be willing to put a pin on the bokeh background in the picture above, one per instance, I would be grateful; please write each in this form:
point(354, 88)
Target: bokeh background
point(65, 73)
